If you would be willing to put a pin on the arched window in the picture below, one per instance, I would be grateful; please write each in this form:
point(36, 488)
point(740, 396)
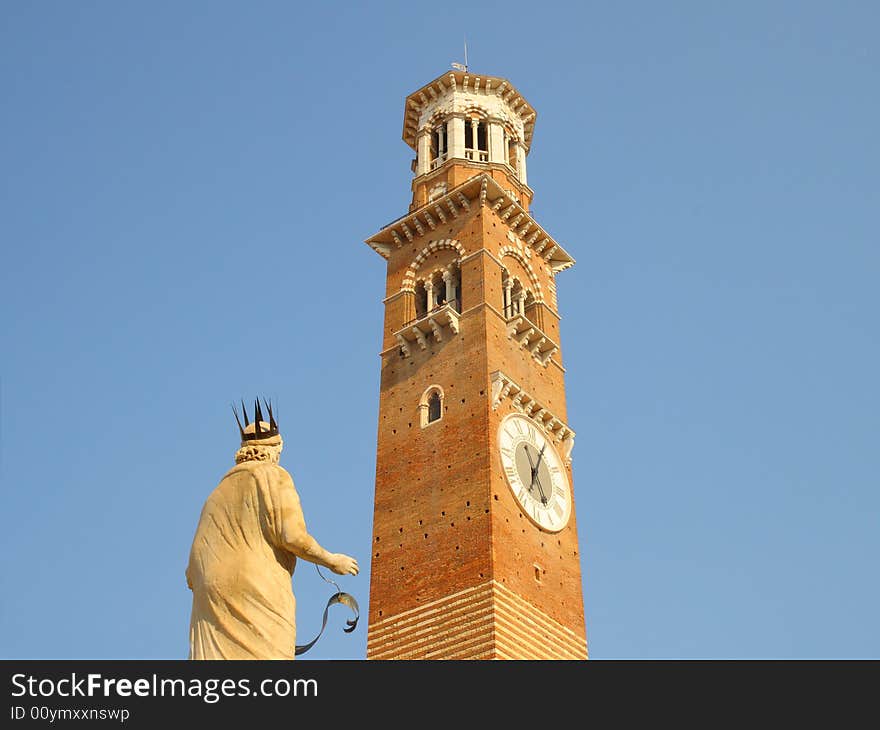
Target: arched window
point(434, 406)
point(517, 300)
point(431, 405)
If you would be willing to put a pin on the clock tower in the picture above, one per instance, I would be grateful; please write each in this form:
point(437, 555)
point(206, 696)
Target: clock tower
point(474, 547)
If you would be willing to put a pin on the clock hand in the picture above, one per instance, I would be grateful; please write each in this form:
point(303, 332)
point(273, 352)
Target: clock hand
point(540, 456)
point(531, 463)
point(535, 468)
point(540, 488)
point(535, 478)
point(534, 471)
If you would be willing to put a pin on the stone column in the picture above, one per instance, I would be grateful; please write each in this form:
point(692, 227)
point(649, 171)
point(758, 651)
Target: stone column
point(456, 137)
point(475, 139)
point(496, 142)
point(409, 306)
point(441, 140)
point(521, 163)
point(429, 288)
point(508, 301)
point(521, 302)
point(423, 153)
point(449, 278)
point(538, 316)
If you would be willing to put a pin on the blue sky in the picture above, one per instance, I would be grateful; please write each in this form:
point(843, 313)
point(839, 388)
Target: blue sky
point(184, 194)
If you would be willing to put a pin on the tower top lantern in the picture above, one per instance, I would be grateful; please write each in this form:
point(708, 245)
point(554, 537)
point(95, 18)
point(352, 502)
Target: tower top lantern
point(465, 120)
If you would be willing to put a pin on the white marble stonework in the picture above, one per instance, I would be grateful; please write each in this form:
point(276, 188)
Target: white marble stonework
point(457, 98)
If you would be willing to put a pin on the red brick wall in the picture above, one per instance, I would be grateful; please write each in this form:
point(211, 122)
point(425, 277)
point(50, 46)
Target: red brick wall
point(445, 520)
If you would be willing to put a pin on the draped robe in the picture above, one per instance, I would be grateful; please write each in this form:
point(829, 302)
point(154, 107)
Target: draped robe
point(240, 566)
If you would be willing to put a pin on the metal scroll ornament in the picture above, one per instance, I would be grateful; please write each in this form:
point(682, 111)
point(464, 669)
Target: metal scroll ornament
point(339, 597)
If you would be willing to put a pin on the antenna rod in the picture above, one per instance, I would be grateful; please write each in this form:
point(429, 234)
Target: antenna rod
point(465, 54)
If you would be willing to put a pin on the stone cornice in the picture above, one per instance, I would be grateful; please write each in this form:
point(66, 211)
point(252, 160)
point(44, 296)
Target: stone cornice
point(554, 361)
point(481, 190)
point(394, 296)
point(504, 387)
point(441, 172)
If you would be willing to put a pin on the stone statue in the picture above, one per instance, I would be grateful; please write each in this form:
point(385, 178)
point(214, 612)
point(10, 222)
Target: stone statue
point(250, 533)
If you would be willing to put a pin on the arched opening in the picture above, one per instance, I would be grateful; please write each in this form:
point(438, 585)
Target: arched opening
point(439, 289)
point(434, 407)
point(431, 405)
point(476, 140)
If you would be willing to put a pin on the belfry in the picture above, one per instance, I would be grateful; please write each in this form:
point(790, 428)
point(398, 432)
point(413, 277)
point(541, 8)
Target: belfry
point(474, 546)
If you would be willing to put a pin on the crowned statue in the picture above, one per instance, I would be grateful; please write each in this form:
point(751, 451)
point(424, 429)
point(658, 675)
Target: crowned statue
point(249, 536)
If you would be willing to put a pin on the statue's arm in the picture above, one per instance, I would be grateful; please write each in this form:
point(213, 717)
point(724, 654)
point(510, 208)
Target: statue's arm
point(296, 539)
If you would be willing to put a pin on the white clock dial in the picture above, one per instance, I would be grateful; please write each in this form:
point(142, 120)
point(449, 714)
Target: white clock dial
point(535, 473)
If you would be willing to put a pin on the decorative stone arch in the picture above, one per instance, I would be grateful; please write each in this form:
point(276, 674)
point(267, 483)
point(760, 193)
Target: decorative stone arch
point(431, 405)
point(433, 145)
point(409, 278)
point(513, 141)
point(429, 274)
point(510, 131)
point(474, 110)
point(438, 117)
point(476, 125)
point(513, 252)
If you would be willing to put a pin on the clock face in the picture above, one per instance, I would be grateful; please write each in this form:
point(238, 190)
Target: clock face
point(535, 473)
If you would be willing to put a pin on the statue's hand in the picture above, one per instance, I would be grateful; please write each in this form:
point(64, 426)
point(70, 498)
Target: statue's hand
point(343, 564)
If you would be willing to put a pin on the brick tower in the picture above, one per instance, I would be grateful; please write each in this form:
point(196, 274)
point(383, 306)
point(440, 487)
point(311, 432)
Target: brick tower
point(475, 551)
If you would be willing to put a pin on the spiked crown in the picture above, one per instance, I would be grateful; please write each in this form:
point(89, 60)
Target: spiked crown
point(259, 431)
